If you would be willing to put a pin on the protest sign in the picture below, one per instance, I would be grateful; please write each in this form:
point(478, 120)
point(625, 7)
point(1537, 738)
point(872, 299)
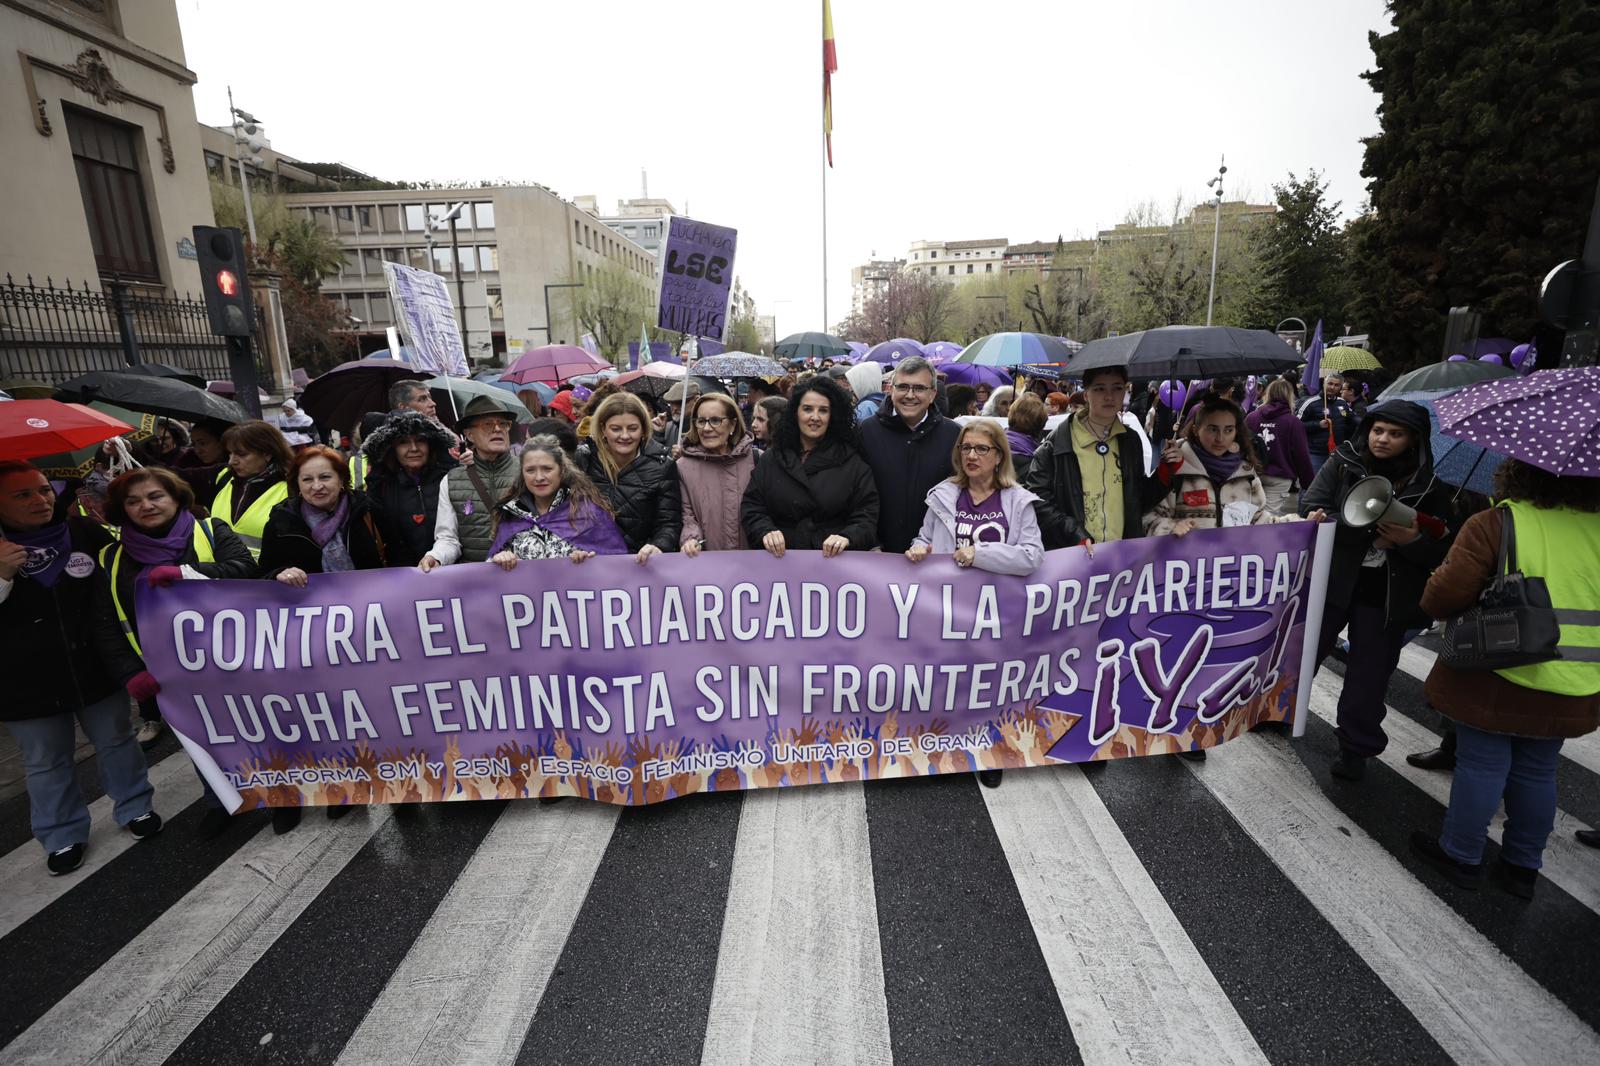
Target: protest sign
point(696, 278)
point(631, 685)
point(427, 319)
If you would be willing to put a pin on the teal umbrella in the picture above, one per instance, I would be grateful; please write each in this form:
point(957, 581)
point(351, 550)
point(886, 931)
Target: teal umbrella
point(1014, 349)
point(464, 390)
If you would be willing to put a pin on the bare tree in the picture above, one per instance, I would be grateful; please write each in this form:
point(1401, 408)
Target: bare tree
point(610, 303)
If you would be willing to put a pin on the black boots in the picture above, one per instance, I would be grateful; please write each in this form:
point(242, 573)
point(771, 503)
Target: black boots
point(1468, 875)
point(1441, 758)
point(989, 778)
point(1349, 767)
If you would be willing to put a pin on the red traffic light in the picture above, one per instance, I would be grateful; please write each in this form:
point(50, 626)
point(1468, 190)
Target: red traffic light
point(227, 283)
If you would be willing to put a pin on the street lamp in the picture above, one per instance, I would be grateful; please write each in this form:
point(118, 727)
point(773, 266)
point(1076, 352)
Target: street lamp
point(245, 128)
point(1216, 234)
point(1001, 321)
point(549, 337)
point(451, 216)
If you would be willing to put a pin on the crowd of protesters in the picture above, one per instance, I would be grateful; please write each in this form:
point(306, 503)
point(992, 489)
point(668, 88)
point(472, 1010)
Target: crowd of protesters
point(859, 459)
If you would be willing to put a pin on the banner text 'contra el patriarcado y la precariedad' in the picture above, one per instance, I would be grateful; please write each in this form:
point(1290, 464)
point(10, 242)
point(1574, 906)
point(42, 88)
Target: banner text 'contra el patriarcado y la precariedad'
point(631, 684)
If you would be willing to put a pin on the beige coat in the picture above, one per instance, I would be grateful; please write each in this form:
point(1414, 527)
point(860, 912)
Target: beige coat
point(1193, 496)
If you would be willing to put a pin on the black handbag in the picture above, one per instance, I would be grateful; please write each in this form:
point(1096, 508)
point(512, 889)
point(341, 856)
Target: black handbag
point(1513, 623)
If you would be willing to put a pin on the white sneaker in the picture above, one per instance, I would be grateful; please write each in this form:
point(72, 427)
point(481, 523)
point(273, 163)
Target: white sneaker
point(149, 733)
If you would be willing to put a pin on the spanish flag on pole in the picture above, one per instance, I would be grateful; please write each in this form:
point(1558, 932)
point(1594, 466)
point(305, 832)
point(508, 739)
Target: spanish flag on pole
point(830, 63)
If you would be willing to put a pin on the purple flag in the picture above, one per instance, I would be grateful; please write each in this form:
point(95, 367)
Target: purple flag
point(1312, 379)
point(629, 684)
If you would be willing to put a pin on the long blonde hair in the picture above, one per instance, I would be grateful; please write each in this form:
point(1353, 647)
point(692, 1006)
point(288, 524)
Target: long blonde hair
point(613, 406)
point(1005, 474)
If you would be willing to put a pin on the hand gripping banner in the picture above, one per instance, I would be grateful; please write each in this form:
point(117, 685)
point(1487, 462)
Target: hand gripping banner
point(631, 685)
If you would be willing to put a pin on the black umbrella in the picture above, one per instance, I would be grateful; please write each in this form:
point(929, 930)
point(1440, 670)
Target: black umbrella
point(811, 346)
point(164, 370)
point(1445, 377)
point(340, 397)
point(1187, 352)
point(164, 396)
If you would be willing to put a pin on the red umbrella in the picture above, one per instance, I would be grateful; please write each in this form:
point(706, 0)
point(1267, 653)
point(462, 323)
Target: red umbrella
point(553, 364)
point(31, 428)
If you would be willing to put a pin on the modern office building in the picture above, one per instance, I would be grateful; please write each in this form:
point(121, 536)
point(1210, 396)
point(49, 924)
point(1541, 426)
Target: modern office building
point(521, 247)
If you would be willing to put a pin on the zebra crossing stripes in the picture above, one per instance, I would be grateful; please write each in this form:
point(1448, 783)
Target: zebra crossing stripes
point(1116, 952)
point(468, 987)
point(799, 971)
point(140, 1005)
point(1476, 1003)
point(25, 889)
point(1246, 909)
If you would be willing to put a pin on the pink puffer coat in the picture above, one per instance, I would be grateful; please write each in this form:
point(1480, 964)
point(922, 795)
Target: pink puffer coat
point(713, 487)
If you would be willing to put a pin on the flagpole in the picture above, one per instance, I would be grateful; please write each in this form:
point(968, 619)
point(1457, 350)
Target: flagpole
point(824, 173)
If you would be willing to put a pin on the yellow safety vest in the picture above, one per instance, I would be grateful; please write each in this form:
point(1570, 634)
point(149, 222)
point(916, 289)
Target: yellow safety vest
point(253, 523)
point(201, 542)
point(1562, 546)
point(115, 532)
point(358, 472)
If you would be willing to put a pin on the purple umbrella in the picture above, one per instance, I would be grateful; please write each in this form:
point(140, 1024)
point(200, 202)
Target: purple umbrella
point(946, 350)
point(1549, 419)
point(974, 374)
point(891, 352)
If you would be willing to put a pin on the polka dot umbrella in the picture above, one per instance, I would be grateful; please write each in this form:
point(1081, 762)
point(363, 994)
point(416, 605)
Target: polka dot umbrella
point(1549, 419)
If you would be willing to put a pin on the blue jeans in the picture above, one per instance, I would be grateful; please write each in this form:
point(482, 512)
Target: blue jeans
point(59, 815)
point(1492, 765)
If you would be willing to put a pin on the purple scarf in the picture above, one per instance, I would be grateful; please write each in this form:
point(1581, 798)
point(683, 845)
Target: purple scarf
point(168, 550)
point(598, 532)
point(48, 551)
point(325, 525)
point(1219, 467)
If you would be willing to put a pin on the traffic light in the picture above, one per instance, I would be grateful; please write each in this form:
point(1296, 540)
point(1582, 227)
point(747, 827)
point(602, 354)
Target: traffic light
point(224, 281)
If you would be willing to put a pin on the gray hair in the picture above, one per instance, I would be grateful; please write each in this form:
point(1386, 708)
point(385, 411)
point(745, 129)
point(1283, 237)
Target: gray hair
point(401, 392)
point(914, 364)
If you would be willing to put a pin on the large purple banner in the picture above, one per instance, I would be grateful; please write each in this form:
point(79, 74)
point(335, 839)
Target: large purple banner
point(696, 278)
point(630, 684)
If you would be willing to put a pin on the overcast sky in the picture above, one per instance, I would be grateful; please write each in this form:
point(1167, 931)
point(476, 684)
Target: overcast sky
point(956, 120)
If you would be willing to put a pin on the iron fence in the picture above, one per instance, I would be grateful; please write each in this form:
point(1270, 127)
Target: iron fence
point(54, 334)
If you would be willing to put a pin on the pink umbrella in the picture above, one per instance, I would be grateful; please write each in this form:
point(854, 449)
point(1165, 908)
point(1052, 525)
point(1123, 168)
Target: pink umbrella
point(553, 364)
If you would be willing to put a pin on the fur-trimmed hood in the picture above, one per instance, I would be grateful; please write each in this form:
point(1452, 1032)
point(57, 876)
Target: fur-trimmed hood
point(403, 424)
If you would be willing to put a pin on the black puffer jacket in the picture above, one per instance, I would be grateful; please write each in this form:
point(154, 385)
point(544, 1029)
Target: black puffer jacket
point(645, 497)
point(1409, 566)
point(51, 662)
point(231, 560)
point(407, 503)
point(287, 539)
point(832, 492)
point(905, 464)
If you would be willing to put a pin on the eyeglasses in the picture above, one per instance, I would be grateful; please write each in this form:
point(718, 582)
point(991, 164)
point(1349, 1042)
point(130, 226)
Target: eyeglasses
point(915, 390)
point(484, 423)
point(979, 450)
point(710, 423)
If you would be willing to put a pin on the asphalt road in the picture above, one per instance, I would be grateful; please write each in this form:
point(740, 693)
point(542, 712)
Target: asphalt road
point(1248, 909)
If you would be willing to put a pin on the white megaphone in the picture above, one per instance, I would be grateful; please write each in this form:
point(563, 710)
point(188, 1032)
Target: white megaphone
point(1370, 501)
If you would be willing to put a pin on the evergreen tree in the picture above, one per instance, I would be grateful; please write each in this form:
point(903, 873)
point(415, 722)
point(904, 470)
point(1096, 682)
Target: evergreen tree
point(1482, 176)
point(1303, 269)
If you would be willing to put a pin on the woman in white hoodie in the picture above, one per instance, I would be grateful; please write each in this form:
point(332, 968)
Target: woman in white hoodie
point(981, 515)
